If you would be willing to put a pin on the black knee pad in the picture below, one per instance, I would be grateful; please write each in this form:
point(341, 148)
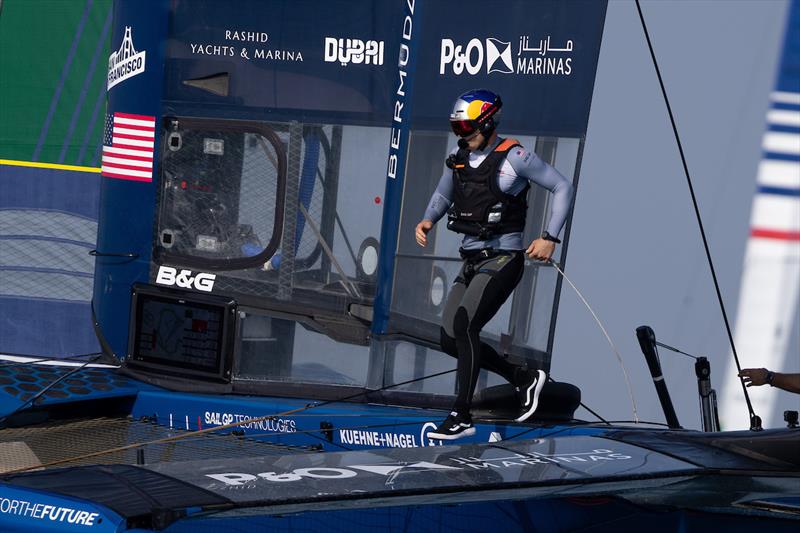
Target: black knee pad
point(461, 322)
point(447, 343)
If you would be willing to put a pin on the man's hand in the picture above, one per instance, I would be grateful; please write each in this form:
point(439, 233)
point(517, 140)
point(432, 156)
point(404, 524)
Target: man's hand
point(758, 376)
point(422, 231)
point(541, 249)
point(754, 376)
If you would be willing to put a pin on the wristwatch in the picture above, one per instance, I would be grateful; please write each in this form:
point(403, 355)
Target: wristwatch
point(770, 377)
point(546, 236)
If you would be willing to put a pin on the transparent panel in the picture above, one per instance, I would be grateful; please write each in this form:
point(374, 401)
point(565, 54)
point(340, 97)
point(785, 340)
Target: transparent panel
point(276, 349)
point(220, 188)
point(283, 212)
point(338, 231)
point(406, 361)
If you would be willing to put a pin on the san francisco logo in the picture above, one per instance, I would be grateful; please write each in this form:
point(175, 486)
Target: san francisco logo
point(126, 62)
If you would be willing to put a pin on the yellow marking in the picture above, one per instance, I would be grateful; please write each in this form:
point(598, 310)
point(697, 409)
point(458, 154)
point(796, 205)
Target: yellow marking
point(474, 109)
point(75, 168)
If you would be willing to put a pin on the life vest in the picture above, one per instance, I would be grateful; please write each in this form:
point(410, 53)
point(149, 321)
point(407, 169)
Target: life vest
point(480, 208)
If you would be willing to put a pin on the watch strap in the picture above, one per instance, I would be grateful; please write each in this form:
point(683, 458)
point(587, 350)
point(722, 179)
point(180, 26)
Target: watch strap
point(546, 236)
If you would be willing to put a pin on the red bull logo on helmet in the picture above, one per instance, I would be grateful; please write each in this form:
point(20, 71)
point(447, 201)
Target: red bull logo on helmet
point(476, 107)
point(472, 104)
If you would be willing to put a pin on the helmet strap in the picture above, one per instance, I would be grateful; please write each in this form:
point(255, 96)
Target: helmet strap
point(486, 123)
point(487, 132)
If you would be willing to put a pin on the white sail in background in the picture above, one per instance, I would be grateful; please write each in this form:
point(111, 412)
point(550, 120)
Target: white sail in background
point(769, 294)
point(768, 298)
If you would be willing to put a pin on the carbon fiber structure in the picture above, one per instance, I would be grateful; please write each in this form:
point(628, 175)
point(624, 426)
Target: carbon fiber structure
point(50, 442)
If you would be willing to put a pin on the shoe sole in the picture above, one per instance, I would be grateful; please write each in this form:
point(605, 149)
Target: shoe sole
point(441, 436)
point(537, 388)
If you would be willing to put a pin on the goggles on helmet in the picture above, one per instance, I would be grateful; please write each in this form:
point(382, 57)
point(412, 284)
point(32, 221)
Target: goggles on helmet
point(463, 128)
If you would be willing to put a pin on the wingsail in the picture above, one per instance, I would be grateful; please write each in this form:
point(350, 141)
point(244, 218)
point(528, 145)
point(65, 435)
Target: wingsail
point(771, 277)
point(282, 160)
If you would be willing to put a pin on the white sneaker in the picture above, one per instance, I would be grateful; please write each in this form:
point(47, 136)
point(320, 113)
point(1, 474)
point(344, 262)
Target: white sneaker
point(528, 393)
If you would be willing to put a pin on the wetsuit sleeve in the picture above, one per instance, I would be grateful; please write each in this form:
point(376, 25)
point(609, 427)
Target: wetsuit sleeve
point(442, 197)
point(529, 166)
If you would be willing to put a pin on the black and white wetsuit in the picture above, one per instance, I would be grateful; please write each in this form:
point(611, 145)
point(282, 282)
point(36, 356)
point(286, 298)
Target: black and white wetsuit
point(487, 279)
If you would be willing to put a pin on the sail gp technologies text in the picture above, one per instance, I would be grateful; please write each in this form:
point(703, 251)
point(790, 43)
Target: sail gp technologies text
point(272, 425)
point(492, 55)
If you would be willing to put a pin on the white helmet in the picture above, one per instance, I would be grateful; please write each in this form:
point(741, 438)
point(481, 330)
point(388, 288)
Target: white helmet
point(476, 110)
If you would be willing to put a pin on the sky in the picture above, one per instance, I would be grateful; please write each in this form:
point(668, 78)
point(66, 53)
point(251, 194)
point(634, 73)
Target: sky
point(635, 250)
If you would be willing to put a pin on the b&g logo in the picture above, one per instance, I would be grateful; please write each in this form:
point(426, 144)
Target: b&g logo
point(170, 276)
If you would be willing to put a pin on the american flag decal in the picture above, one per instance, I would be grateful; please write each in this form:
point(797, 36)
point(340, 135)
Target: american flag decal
point(128, 147)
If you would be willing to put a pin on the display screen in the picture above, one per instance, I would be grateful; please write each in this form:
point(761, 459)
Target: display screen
point(180, 333)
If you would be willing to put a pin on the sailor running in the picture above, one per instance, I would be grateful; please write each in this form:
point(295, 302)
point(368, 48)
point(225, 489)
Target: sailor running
point(484, 191)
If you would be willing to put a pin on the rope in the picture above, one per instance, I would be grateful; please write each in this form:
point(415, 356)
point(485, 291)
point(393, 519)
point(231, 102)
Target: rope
point(219, 428)
point(608, 338)
point(755, 421)
point(49, 386)
point(34, 359)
